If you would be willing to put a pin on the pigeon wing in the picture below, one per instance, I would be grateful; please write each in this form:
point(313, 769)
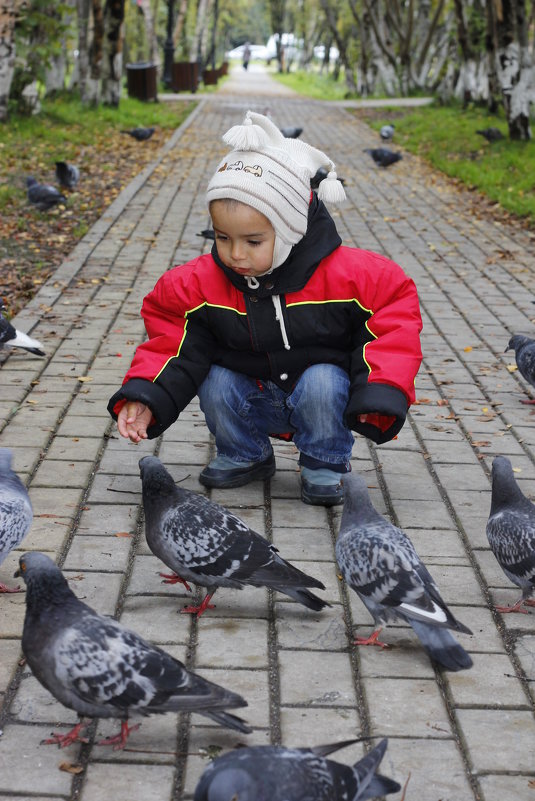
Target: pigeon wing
point(511, 536)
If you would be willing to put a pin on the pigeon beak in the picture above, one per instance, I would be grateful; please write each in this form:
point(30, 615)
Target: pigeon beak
point(507, 348)
point(17, 574)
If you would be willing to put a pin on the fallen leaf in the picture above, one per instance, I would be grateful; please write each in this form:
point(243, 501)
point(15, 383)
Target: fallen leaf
point(84, 378)
point(512, 368)
point(468, 349)
point(442, 402)
point(123, 534)
point(70, 767)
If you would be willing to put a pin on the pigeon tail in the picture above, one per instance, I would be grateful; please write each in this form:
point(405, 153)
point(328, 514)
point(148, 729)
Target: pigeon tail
point(371, 785)
point(228, 720)
point(441, 646)
point(304, 597)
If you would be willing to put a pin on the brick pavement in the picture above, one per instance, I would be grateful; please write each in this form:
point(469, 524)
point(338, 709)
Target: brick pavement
point(460, 736)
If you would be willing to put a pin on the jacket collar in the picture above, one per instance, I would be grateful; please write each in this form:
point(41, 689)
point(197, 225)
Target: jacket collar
point(320, 240)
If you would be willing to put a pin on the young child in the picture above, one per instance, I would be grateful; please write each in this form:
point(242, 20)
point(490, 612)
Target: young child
point(280, 330)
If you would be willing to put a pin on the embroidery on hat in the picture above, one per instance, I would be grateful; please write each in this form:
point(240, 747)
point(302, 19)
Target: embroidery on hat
point(255, 170)
point(238, 165)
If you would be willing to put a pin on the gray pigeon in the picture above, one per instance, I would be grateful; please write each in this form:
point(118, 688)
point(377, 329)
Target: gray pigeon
point(67, 174)
point(16, 513)
point(382, 156)
point(291, 132)
point(95, 666)
point(511, 532)
point(524, 349)
point(387, 132)
point(44, 196)
point(379, 562)
point(275, 773)
point(206, 544)
point(491, 134)
point(140, 134)
point(9, 335)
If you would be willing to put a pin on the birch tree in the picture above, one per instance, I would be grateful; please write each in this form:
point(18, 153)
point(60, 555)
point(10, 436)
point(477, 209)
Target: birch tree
point(112, 52)
point(514, 65)
point(8, 17)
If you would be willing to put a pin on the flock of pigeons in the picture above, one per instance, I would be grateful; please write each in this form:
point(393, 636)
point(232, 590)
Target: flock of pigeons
point(95, 666)
point(45, 196)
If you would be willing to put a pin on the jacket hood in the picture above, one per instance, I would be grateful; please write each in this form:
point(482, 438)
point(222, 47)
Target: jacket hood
point(320, 240)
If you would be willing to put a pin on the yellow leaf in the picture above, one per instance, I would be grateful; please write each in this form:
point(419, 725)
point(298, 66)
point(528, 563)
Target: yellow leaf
point(84, 378)
point(468, 349)
point(512, 368)
point(517, 469)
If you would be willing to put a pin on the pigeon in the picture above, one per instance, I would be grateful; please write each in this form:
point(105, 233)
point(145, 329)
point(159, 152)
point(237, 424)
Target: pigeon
point(511, 532)
point(94, 665)
point(382, 156)
point(524, 349)
point(319, 176)
point(207, 233)
point(380, 563)
point(11, 336)
point(43, 196)
point(277, 773)
point(16, 513)
point(387, 132)
point(291, 132)
point(67, 174)
point(206, 544)
point(141, 134)
point(491, 134)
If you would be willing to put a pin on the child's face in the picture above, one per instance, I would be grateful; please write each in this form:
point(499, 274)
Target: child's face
point(244, 237)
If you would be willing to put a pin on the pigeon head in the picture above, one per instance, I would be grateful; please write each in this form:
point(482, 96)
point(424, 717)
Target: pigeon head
point(358, 508)
point(516, 342)
point(232, 784)
point(504, 486)
point(156, 480)
point(5, 460)
point(43, 578)
point(31, 181)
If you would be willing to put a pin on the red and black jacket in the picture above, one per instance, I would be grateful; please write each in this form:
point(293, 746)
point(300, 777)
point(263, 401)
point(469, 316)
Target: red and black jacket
point(341, 305)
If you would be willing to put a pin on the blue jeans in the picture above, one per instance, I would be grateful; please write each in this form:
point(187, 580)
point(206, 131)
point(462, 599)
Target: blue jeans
point(241, 415)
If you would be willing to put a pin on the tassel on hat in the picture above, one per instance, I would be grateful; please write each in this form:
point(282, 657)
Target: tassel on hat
point(247, 136)
point(331, 190)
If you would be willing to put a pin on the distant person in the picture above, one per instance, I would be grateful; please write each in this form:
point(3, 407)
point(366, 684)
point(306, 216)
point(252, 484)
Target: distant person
point(246, 55)
point(280, 330)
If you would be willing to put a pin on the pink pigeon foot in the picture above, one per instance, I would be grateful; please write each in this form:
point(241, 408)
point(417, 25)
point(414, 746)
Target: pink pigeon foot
point(172, 578)
point(371, 640)
point(5, 588)
point(119, 740)
point(199, 610)
point(63, 740)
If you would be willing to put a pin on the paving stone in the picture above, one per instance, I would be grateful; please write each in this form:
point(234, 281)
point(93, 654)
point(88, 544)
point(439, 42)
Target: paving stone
point(127, 782)
point(498, 739)
point(390, 698)
point(329, 683)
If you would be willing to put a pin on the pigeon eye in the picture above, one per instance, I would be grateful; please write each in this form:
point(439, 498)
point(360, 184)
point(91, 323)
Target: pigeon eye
point(23, 567)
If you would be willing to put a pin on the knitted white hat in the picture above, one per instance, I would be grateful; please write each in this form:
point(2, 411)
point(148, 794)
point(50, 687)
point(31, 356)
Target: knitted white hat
point(272, 174)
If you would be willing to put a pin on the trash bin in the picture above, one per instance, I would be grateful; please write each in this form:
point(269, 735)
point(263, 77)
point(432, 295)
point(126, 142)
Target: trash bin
point(142, 80)
point(185, 76)
point(210, 77)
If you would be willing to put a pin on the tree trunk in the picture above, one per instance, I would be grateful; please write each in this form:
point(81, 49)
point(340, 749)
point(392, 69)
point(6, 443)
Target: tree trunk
point(180, 20)
point(491, 43)
point(195, 53)
point(341, 45)
point(92, 87)
point(81, 65)
point(112, 52)
point(8, 15)
point(514, 67)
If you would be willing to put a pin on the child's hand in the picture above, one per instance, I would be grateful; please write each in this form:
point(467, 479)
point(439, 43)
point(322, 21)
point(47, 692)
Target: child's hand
point(133, 420)
point(382, 421)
